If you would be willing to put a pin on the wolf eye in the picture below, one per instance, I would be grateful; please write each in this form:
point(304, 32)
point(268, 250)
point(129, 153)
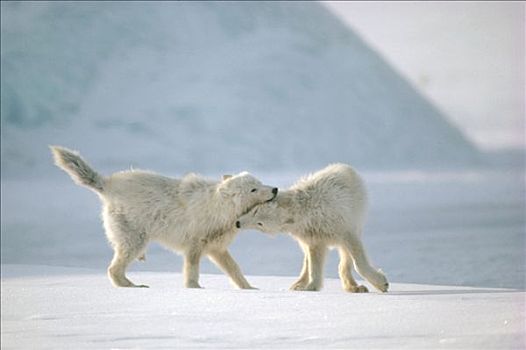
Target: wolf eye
point(260, 224)
point(254, 190)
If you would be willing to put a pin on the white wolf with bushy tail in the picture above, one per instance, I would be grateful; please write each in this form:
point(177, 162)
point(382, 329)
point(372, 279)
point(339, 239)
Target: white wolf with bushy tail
point(190, 215)
point(325, 209)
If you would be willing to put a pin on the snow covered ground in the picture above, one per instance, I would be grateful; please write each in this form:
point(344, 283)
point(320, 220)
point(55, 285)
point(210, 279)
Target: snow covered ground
point(67, 308)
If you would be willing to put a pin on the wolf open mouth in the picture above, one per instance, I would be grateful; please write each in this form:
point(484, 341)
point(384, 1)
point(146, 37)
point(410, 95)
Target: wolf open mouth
point(255, 205)
point(273, 197)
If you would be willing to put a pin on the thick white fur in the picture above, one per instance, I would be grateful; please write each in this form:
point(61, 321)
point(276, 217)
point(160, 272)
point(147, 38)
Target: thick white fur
point(325, 209)
point(190, 215)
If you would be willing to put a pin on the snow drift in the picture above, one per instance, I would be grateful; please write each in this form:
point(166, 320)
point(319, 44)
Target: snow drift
point(204, 86)
point(58, 308)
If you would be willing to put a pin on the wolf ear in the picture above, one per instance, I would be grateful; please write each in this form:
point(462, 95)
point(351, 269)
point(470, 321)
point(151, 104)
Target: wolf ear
point(226, 177)
point(224, 190)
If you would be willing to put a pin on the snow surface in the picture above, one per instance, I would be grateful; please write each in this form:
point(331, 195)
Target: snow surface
point(60, 308)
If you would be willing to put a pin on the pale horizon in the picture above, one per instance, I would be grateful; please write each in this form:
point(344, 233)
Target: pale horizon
point(467, 58)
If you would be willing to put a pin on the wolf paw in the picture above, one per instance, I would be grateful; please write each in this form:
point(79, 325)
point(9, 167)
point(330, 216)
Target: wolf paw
point(309, 288)
point(192, 285)
point(297, 286)
point(382, 287)
point(250, 287)
point(358, 289)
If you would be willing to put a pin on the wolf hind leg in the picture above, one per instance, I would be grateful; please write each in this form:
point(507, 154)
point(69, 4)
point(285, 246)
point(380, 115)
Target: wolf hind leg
point(128, 245)
point(122, 257)
point(345, 271)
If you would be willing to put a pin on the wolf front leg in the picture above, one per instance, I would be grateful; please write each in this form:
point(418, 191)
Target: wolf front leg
point(227, 264)
point(317, 255)
point(191, 268)
point(303, 279)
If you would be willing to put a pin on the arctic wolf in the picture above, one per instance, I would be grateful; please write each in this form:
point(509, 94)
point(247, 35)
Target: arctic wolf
point(191, 215)
point(325, 209)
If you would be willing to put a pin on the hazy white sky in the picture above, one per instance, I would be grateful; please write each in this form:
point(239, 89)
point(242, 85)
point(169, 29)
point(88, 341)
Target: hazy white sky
point(466, 57)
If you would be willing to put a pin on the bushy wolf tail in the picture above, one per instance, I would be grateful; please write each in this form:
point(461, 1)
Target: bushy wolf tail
point(77, 168)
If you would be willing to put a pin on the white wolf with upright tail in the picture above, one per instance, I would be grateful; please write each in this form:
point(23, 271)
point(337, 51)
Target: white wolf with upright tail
point(191, 215)
point(325, 209)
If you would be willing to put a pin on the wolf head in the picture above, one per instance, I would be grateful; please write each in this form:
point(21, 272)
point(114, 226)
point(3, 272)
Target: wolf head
point(269, 217)
point(245, 191)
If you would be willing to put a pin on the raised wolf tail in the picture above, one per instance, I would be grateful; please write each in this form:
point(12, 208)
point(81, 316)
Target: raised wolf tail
point(77, 168)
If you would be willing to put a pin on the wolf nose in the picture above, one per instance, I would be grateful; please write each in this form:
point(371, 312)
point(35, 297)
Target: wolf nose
point(238, 224)
point(275, 190)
